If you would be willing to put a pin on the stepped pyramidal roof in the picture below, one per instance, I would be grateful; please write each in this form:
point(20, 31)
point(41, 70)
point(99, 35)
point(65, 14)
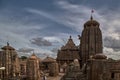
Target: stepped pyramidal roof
point(69, 51)
point(69, 45)
point(33, 56)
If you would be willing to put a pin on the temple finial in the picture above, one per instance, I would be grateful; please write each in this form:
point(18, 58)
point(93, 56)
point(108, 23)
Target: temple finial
point(7, 43)
point(91, 18)
point(70, 37)
point(33, 52)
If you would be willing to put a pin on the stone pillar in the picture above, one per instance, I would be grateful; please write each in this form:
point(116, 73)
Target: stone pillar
point(54, 70)
point(97, 68)
point(33, 68)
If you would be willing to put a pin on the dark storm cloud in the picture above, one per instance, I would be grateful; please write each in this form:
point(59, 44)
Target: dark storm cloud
point(23, 20)
point(112, 43)
point(40, 42)
point(25, 50)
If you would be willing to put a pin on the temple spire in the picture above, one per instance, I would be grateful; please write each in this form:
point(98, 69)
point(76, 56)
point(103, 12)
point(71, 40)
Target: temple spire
point(91, 39)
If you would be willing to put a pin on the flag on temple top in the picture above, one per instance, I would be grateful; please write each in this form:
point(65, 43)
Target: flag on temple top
point(92, 11)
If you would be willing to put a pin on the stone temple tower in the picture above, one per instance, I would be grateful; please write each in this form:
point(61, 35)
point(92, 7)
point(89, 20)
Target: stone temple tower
point(33, 69)
point(10, 61)
point(90, 40)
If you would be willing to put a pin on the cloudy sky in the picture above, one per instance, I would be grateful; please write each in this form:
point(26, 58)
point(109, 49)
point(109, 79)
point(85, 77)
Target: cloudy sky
point(43, 26)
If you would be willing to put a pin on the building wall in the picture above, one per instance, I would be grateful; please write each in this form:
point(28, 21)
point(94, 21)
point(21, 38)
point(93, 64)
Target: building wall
point(97, 69)
point(23, 66)
point(67, 54)
point(11, 63)
point(54, 71)
point(90, 40)
point(33, 71)
point(103, 69)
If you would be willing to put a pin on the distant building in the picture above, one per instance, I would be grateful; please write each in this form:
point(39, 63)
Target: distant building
point(23, 67)
point(9, 59)
point(50, 66)
point(33, 68)
point(53, 69)
point(14, 68)
point(67, 54)
point(46, 64)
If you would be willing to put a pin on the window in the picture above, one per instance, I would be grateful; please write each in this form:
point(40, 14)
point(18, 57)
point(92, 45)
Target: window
point(112, 75)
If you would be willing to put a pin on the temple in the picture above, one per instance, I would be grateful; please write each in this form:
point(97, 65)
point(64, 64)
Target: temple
point(67, 54)
point(94, 65)
point(90, 40)
point(83, 62)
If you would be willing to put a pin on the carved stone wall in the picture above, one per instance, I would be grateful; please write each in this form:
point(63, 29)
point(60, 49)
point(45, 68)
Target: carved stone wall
point(67, 54)
point(9, 60)
point(33, 70)
point(90, 40)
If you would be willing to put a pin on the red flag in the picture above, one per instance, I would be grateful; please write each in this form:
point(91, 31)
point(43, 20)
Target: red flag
point(92, 11)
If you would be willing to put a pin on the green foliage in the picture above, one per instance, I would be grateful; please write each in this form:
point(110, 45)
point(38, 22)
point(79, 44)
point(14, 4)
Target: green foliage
point(23, 57)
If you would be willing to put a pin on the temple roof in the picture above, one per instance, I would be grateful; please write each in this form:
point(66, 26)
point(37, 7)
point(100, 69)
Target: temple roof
point(7, 47)
point(91, 21)
point(49, 59)
point(69, 45)
point(68, 55)
point(33, 56)
point(69, 51)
